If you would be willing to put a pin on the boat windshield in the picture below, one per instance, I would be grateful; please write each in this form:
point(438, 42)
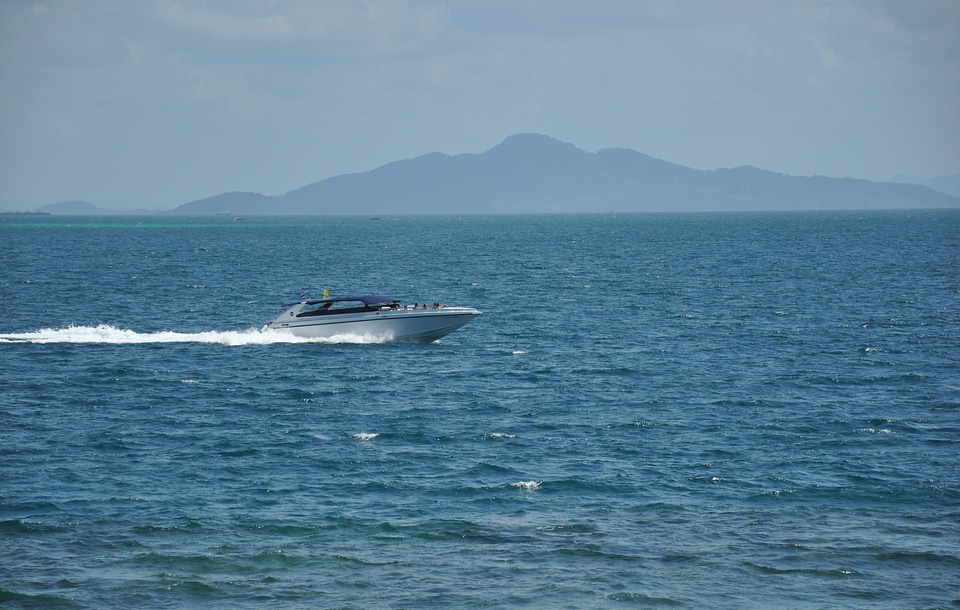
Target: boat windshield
point(345, 305)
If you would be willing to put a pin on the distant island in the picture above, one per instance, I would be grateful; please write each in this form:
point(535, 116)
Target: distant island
point(945, 184)
point(84, 208)
point(531, 173)
point(73, 208)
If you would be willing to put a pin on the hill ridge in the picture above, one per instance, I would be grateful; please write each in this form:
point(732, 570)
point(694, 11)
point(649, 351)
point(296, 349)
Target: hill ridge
point(534, 173)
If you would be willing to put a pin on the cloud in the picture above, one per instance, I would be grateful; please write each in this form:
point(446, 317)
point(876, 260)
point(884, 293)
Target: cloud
point(828, 58)
point(269, 95)
point(367, 28)
point(225, 26)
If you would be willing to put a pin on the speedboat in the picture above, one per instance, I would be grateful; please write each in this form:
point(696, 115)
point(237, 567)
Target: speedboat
point(384, 318)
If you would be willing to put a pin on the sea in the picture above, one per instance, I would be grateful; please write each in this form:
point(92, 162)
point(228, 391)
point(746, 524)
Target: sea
point(694, 410)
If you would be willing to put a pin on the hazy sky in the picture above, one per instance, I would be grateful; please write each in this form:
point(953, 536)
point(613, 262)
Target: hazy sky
point(155, 103)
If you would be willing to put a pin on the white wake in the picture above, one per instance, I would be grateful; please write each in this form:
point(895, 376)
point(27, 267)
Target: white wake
point(109, 335)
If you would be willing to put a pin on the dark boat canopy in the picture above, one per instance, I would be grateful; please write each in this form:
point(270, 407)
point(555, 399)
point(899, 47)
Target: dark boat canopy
point(368, 300)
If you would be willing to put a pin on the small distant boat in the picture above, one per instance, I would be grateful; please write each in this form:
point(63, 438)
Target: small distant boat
point(383, 317)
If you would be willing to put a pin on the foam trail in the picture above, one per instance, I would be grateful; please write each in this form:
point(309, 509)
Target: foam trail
point(109, 335)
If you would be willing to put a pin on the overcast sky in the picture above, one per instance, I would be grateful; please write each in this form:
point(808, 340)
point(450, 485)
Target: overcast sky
point(155, 103)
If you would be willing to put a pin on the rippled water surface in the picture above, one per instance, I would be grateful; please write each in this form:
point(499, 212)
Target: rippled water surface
point(694, 410)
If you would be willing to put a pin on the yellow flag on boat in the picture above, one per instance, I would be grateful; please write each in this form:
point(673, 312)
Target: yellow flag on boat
point(326, 293)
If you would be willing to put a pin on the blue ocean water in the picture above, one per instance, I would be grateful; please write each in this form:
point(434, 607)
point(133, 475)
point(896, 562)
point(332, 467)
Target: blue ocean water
point(693, 410)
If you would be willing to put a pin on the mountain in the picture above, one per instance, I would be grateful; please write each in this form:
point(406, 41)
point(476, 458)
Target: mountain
point(234, 203)
point(530, 173)
point(84, 208)
point(73, 208)
point(945, 184)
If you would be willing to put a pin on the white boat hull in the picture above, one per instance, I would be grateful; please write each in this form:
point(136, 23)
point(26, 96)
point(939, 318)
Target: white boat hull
point(403, 325)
